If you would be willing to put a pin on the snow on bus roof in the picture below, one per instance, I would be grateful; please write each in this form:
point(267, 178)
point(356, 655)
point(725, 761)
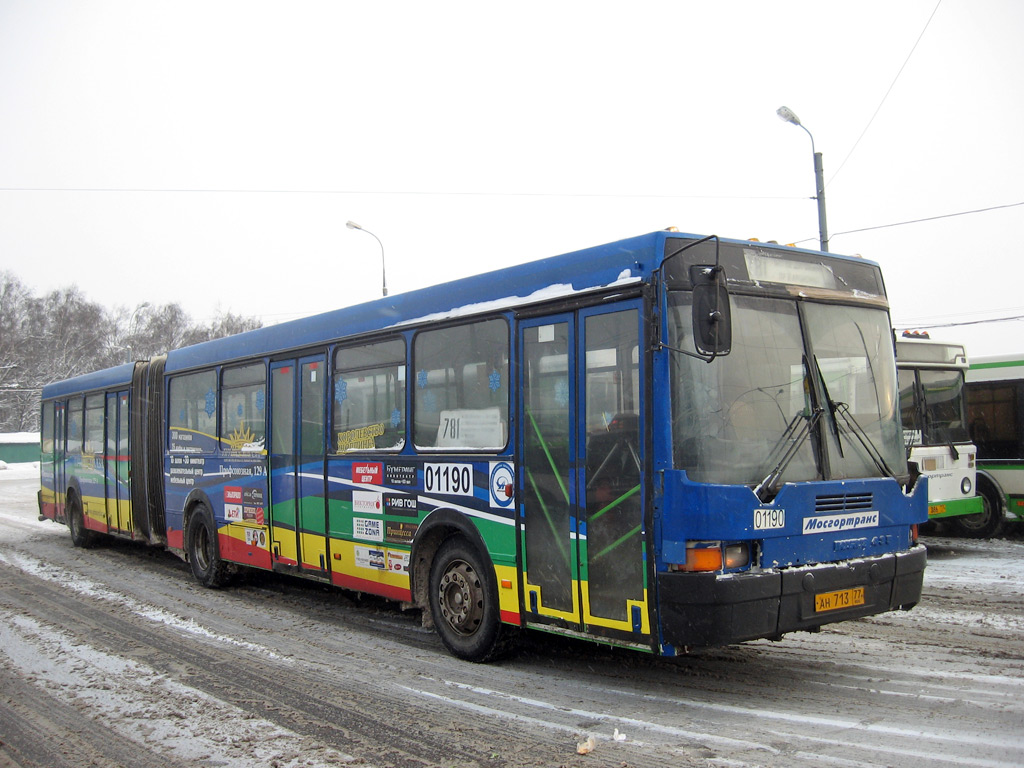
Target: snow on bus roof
point(549, 293)
point(614, 264)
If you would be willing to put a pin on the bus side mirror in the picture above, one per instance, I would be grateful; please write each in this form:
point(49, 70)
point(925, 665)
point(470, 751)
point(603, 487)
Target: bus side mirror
point(712, 317)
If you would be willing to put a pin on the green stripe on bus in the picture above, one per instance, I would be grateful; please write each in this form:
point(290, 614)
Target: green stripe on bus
point(1004, 364)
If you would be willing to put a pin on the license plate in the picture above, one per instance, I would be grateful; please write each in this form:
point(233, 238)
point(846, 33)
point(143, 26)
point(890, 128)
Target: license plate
point(937, 509)
point(844, 598)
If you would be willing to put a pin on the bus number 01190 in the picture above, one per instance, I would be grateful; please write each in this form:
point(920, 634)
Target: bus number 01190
point(449, 479)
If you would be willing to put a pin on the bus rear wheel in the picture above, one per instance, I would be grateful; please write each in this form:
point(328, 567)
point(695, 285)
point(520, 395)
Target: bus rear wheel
point(464, 604)
point(80, 535)
point(204, 551)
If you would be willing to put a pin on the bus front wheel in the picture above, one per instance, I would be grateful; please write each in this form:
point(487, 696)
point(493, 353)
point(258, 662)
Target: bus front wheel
point(984, 524)
point(203, 549)
point(464, 603)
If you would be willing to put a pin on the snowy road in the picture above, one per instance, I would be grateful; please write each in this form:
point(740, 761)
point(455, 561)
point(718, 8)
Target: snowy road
point(116, 657)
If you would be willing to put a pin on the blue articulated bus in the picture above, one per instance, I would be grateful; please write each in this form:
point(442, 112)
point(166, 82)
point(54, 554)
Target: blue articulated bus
point(664, 442)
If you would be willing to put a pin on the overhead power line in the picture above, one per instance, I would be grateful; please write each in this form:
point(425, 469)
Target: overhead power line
point(928, 218)
point(904, 326)
point(913, 221)
point(406, 192)
point(886, 96)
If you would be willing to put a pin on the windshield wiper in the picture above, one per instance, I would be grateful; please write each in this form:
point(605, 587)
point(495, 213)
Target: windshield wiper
point(952, 449)
point(864, 439)
point(833, 406)
point(843, 409)
point(795, 442)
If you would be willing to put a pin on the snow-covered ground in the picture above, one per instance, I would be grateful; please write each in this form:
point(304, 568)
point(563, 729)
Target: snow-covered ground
point(115, 657)
point(19, 437)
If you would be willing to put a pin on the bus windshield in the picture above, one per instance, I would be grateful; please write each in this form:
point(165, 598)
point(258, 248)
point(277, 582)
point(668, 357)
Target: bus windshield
point(786, 405)
point(934, 413)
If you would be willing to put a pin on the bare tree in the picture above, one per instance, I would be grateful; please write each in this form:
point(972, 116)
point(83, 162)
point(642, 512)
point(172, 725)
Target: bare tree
point(62, 335)
point(17, 389)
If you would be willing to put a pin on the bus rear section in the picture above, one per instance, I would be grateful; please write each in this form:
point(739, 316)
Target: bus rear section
point(93, 426)
point(995, 413)
point(785, 501)
point(934, 416)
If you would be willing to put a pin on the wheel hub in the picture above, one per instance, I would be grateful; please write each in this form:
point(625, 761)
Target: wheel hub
point(461, 598)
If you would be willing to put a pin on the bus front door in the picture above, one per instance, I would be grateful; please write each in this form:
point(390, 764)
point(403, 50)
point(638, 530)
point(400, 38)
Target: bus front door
point(298, 512)
point(582, 453)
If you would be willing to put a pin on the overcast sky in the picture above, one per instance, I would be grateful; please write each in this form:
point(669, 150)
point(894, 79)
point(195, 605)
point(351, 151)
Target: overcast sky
point(210, 153)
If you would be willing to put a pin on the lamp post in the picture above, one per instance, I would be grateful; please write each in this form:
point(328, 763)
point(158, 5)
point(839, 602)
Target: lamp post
point(383, 274)
point(789, 116)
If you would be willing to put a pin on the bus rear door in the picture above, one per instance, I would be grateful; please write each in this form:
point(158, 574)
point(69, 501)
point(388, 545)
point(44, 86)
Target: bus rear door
point(298, 515)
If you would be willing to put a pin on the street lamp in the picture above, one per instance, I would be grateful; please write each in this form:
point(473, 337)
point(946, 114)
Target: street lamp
point(383, 274)
point(789, 116)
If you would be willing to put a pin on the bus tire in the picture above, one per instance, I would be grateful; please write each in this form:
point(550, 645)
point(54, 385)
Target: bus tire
point(80, 535)
point(984, 524)
point(464, 603)
point(203, 549)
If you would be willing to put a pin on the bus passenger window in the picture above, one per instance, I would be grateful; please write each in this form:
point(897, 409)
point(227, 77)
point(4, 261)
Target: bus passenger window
point(46, 441)
point(369, 397)
point(94, 425)
point(243, 409)
point(192, 416)
point(461, 386)
point(76, 416)
point(994, 420)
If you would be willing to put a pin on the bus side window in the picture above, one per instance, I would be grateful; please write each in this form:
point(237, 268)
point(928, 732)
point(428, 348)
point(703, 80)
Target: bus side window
point(994, 420)
point(76, 416)
point(192, 416)
point(369, 397)
point(461, 386)
point(243, 409)
point(46, 440)
point(94, 425)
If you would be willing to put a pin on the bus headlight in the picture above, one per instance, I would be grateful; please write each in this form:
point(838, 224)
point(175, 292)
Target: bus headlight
point(713, 556)
point(737, 555)
point(966, 486)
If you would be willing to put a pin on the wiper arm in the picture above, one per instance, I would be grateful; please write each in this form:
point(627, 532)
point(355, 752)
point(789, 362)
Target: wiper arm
point(952, 449)
point(865, 439)
point(843, 410)
point(833, 406)
point(790, 453)
point(777, 449)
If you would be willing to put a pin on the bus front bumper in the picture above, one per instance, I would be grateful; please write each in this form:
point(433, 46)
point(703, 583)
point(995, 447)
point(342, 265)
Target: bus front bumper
point(972, 505)
point(705, 609)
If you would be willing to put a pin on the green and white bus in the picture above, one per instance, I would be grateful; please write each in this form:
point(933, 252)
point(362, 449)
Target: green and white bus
point(995, 412)
point(931, 380)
